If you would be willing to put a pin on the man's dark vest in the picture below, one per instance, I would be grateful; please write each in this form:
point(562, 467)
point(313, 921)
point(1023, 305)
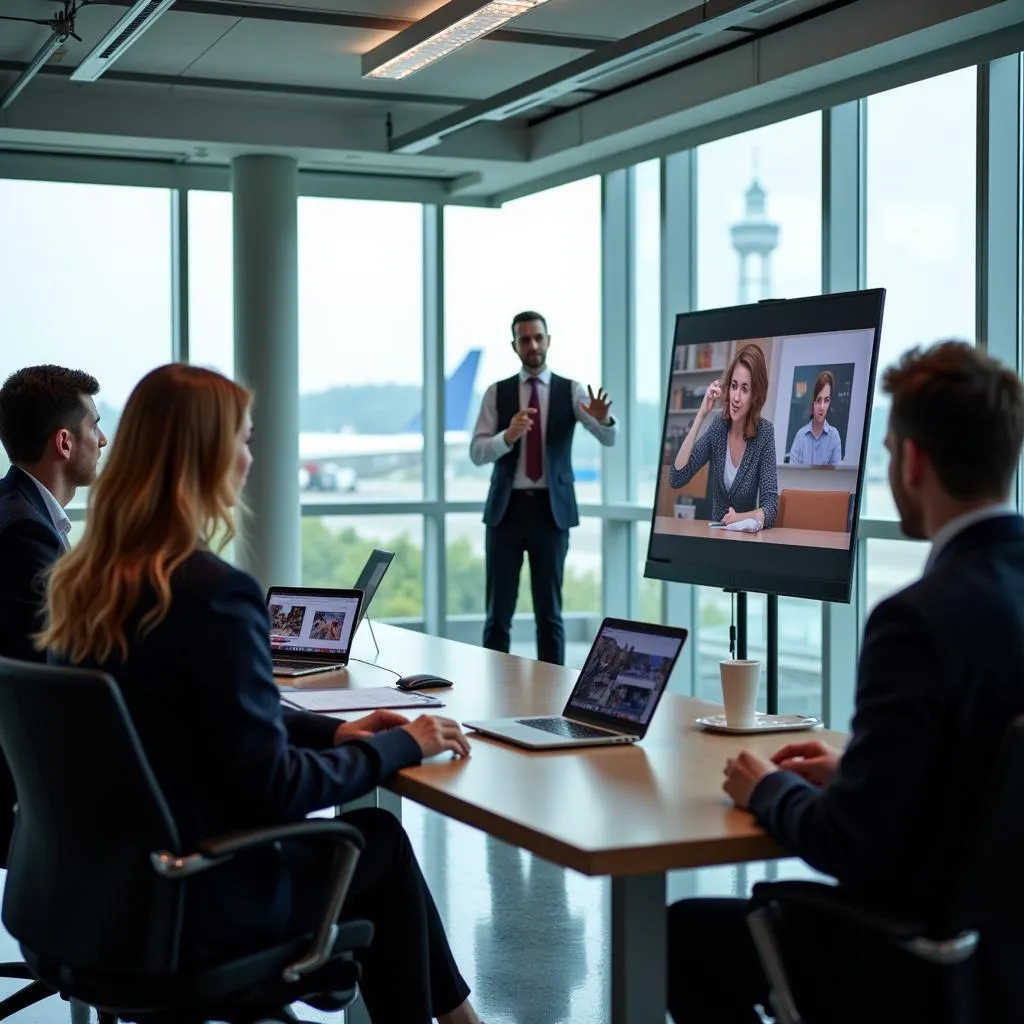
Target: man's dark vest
point(561, 422)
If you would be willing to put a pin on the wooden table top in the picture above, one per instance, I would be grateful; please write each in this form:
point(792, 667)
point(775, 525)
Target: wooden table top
point(776, 535)
point(617, 810)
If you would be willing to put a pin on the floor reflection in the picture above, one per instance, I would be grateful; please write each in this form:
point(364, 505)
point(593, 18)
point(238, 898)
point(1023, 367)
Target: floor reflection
point(531, 939)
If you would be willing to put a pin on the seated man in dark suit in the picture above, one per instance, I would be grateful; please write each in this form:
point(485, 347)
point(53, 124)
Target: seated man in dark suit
point(49, 428)
point(941, 676)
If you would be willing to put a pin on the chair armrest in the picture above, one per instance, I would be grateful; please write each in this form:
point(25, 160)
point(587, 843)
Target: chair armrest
point(831, 899)
point(211, 853)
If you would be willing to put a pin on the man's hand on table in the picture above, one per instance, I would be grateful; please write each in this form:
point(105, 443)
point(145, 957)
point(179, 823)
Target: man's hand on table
point(742, 773)
point(812, 760)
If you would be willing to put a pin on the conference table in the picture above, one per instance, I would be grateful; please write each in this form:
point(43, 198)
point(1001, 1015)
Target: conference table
point(777, 535)
point(631, 813)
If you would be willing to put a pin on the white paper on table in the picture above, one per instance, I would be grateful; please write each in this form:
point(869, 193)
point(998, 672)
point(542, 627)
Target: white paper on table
point(369, 699)
point(740, 526)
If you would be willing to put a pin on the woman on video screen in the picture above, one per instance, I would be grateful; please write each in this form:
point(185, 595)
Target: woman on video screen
point(817, 443)
point(739, 445)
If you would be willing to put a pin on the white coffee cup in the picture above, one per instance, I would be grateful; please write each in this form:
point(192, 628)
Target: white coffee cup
point(740, 683)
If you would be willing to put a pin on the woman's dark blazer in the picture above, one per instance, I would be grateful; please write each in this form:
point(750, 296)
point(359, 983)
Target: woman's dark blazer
point(757, 478)
point(201, 693)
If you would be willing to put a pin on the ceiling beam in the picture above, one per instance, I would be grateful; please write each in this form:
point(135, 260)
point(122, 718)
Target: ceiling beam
point(367, 22)
point(698, 22)
point(237, 85)
point(844, 42)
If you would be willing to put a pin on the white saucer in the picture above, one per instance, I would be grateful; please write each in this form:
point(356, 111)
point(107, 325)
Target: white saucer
point(762, 723)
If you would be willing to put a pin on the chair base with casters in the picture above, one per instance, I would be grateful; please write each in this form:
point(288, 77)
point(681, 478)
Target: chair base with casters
point(33, 992)
point(767, 923)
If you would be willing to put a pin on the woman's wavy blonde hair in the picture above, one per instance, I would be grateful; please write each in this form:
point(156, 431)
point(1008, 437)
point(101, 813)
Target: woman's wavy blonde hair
point(167, 487)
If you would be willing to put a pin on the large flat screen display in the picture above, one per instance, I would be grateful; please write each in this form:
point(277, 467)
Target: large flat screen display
point(763, 452)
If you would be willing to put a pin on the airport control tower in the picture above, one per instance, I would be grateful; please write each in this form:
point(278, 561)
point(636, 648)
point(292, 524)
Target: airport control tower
point(755, 238)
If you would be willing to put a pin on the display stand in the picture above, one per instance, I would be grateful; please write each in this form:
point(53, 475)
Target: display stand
point(372, 637)
point(738, 643)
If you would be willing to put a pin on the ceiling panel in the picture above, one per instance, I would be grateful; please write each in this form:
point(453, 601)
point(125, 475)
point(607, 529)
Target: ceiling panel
point(331, 58)
point(485, 68)
point(174, 43)
point(612, 18)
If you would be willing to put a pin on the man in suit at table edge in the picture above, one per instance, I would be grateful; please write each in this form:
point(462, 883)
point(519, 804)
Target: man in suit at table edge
point(50, 429)
point(940, 678)
point(525, 428)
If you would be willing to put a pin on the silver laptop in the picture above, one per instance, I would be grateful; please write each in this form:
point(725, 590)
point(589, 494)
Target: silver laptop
point(369, 579)
point(613, 701)
point(311, 628)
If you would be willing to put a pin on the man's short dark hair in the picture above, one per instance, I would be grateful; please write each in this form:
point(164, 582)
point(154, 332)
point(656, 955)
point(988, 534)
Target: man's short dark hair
point(36, 402)
point(966, 413)
point(525, 317)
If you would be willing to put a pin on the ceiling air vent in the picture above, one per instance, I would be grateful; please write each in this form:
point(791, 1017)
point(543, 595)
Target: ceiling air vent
point(137, 19)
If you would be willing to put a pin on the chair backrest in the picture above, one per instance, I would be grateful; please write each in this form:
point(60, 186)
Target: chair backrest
point(813, 510)
point(81, 892)
point(990, 889)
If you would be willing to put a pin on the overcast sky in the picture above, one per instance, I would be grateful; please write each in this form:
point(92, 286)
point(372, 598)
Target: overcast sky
point(87, 282)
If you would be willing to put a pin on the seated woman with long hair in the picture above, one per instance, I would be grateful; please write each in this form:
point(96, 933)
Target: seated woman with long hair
point(739, 445)
point(144, 598)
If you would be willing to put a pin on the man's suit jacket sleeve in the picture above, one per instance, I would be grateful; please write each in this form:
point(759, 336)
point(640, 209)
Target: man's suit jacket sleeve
point(861, 827)
point(241, 718)
point(27, 550)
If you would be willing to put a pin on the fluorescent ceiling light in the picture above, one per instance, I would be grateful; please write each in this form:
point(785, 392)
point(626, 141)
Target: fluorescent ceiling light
point(439, 34)
point(137, 19)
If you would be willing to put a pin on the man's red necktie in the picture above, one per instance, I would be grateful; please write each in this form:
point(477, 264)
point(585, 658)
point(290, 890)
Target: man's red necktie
point(534, 443)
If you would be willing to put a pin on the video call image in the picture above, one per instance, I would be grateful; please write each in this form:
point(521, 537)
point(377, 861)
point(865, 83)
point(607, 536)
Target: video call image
point(625, 674)
point(286, 620)
point(792, 477)
point(315, 624)
point(327, 626)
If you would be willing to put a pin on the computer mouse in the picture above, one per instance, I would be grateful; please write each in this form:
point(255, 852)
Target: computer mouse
point(422, 681)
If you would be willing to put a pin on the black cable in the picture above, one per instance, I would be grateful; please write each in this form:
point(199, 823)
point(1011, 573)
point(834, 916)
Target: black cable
point(373, 664)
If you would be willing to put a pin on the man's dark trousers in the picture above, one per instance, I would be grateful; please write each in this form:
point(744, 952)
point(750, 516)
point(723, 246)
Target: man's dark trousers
point(527, 527)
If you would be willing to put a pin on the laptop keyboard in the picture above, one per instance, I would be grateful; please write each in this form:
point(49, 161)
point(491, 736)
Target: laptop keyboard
point(298, 665)
point(563, 727)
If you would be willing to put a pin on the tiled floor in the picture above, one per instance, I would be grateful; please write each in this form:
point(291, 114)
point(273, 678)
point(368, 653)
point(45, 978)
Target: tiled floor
point(531, 939)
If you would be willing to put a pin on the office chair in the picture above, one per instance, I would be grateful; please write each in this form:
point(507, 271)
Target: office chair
point(15, 970)
point(950, 958)
point(98, 878)
point(813, 510)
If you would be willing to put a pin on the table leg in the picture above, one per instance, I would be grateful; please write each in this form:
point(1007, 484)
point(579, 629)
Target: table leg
point(638, 949)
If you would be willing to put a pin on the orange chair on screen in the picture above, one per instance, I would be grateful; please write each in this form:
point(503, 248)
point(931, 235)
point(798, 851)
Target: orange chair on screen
point(813, 510)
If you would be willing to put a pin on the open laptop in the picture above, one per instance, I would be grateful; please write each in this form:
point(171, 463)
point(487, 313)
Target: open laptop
point(369, 579)
point(311, 628)
point(613, 701)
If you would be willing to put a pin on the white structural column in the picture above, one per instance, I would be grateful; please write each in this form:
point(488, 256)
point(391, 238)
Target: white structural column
point(264, 189)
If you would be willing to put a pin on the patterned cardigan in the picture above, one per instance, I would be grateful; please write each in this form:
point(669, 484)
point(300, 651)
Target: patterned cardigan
point(757, 478)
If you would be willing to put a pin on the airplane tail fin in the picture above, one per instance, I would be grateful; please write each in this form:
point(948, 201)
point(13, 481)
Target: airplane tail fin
point(458, 396)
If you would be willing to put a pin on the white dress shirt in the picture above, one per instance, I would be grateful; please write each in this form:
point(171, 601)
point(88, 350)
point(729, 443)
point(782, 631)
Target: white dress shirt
point(488, 444)
point(61, 523)
point(956, 526)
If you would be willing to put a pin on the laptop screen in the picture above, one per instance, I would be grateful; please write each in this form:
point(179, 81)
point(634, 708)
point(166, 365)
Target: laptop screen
point(369, 579)
point(312, 623)
point(626, 673)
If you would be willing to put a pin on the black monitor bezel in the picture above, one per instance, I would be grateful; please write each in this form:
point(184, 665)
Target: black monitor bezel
point(366, 575)
point(768, 568)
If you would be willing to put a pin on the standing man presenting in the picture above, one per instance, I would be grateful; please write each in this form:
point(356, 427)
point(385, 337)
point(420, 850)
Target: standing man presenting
point(525, 428)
